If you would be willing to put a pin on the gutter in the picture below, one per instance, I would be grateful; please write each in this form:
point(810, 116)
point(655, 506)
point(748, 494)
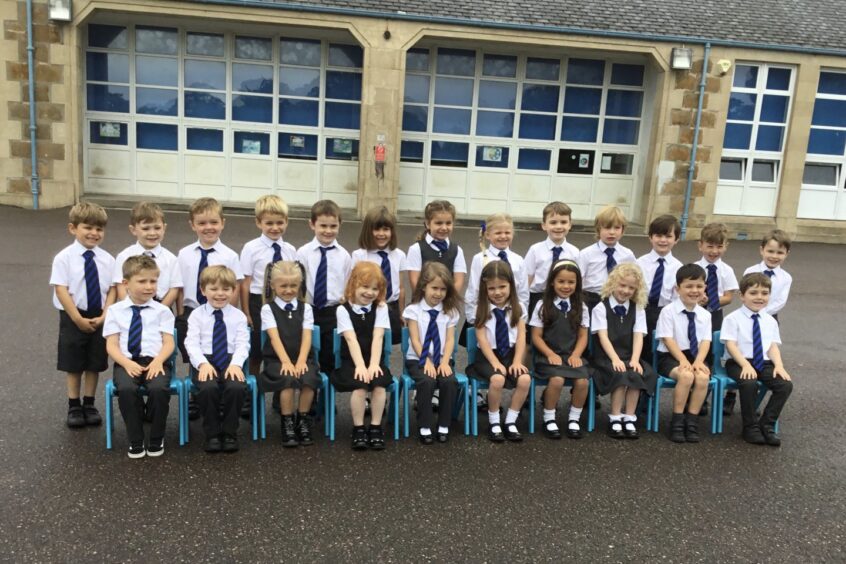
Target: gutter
point(695, 145)
point(30, 63)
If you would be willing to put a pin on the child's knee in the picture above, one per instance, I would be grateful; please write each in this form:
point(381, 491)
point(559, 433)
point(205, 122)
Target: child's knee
point(701, 380)
point(556, 382)
point(580, 384)
point(523, 381)
point(684, 376)
point(497, 381)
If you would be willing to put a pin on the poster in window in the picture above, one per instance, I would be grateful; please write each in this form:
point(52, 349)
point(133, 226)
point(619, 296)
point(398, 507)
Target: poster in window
point(492, 154)
point(297, 141)
point(342, 146)
point(109, 129)
point(251, 146)
point(584, 160)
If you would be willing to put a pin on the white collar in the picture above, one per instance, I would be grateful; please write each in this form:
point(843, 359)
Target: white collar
point(654, 256)
point(429, 239)
point(282, 303)
point(765, 267)
point(127, 302)
point(80, 248)
point(426, 307)
point(495, 252)
point(678, 306)
point(320, 245)
point(550, 244)
point(613, 301)
point(360, 308)
point(749, 313)
point(216, 245)
point(558, 301)
point(269, 242)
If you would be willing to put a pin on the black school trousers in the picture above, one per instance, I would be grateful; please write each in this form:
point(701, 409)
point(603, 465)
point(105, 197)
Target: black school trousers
point(132, 405)
point(748, 389)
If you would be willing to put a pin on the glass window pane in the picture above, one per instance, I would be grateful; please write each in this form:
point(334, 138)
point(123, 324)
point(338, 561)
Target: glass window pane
point(742, 106)
point(298, 112)
point(207, 105)
point(411, 152)
point(294, 81)
point(158, 40)
point(252, 108)
point(827, 142)
point(108, 133)
point(627, 75)
point(731, 169)
point(819, 174)
point(156, 101)
point(210, 44)
point(447, 153)
point(829, 112)
point(745, 76)
point(492, 157)
point(341, 149)
point(582, 100)
point(534, 159)
point(107, 67)
point(774, 108)
point(585, 71)
point(763, 171)
point(416, 88)
point(344, 116)
point(298, 146)
point(495, 124)
point(251, 143)
point(453, 91)
point(543, 69)
point(414, 118)
point(537, 126)
point(448, 120)
point(417, 60)
point(107, 98)
point(616, 163)
point(832, 83)
point(252, 78)
point(258, 48)
point(499, 65)
point(497, 94)
point(300, 52)
point(458, 62)
point(738, 136)
point(205, 74)
point(623, 103)
point(199, 139)
point(107, 36)
point(778, 79)
point(160, 71)
point(345, 56)
point(769, 138)
point(343, 85)
point(575, 161)
point(623, 132)
point(579, 129)
point(539, 97)
point(159, 136)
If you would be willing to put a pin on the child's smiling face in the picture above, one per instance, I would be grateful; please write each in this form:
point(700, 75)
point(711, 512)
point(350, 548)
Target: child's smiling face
point(557, 227)
point(564, 284)
point(440, 226)
point(89, 236)
point(434, 292)
point(500, 235)
point(755, 297)
point(208, 226)
point(272, 225)
point(382, 237)
point(773, 254)
point(711, 251)
point(366, 294)
point(218, 295)
point(663, 243)
point(149, 233)
point(325, 229)
point(499, 291)
point(286, 287)
point(691, 291)
point(625, 289)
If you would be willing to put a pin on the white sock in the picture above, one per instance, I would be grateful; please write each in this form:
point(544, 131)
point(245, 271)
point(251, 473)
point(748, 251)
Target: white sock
point(443, 430)
point(548, 415)
point(575, 413)
point(425, 431)
point(511, 417)
point(493, 417)
point(615, 418)
point(629, 418)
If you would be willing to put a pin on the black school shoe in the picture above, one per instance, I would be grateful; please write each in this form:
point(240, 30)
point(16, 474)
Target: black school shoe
point(630, 430)
point(691, 428)
point(551, 432)
point(677, 428)
point(76, 417)
point(574, 433)
point(376, 438)
point(304, 430)
point(289, 432)
point(770, 436)
point(754, 436)
point(155, 448)
point(495, 435)
point(512, 434)
point(212, 445)
point(136, 450)
point(615, 430)
point(359, 438)
point(91, 415)
point(426, 439)
point(230, 444)
point(442, 437)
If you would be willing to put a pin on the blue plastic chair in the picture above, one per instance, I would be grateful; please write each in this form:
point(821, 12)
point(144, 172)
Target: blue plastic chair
point(176, 389)
point(252, 389)
point(392, 389)
point(408, 385)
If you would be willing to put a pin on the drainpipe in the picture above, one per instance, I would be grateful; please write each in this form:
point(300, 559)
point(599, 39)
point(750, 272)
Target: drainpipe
point(30, 64)
point(692, 166)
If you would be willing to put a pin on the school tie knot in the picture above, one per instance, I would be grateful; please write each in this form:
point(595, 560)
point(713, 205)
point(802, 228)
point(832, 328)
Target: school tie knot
point(277, 252)
point(218, 315)
point(88, 255)
point(289, 307)
point(657, 283)
point(133, 341)
point(442, 246)
point(92, 282)
point(365, 310)
point(769, 273)
point(620, 310)
point(691, 332)
point(386, 272)
point(150, 254)
point(324, 250)
point(503, 256)
point(503, 342)
point(556, 254)
point(204, 262)
point(610, 263)
point(564, 307)
point(432, 340)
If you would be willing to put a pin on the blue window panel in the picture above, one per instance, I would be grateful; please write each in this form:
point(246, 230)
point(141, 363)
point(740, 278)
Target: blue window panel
point(206, 105)
point(205, 74)
point(417, 60)
point(156, 40)
point(199, 139)
point(161, 136)
point(579, 129)
point(252, 108)
point(448, 120)
point(157, 71)
point(742, 106)
point(829, 112)
point(416, 89)
point(342, 149)
point(345, 56)
point(95, 137)
point(341, 115)
point(453, 91)
point(107, 98)
point(502, 153)
point(770, 138)
point(778, 79)
point(495, 124)
point(107, 67)
point(627, 75)
point(534, 159)
point(107, 36)
point(156, 101)
point(499, 65)
point(209, 44)
point(414, 118)
point(298, 146)
point(621, 132)
point(298, 112)
point(585, 71)
point(411, 151)
point(540, 97)
point(448, 153)
point(252, 78)
point(582, 100)
point(295, 81)
point(543, 69)
point(251, 143)
point(343, 85)
point(625, 103)
point(832, 83)
point(497, 94)
point(537, 126)
point(774, 108)
point(456, 62)
point(258, 48)
point(827, 142)
point(300, 52)
point(738, 136)
point(745, 76)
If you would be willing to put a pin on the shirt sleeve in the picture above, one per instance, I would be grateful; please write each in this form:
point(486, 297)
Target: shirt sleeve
point(529, 262)
point(267, 319)
point(585, 316)
point(110, 325)
point(459, 266)
point(117, 273)
point(403, 261)
point(536, 320)
point(175, 274)
point(523, 287)
point(640, 321)
point(452, 320)
point(382, 319)
point(245, 260)
point(235, 265)
point(729, 330)
point(413, 258)
point(730, 280)
point(599, 322)
point(60, 273)
point(471, 294)
point(242, 341)
point(343, 320)
point(308, 318)
point(664, 327)
point(357, 256)
point(166, 321)
point(410, 312)
point(776, 333)
point(192, 340)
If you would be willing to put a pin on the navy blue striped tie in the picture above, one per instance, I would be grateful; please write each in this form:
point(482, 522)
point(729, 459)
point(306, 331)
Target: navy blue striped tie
point(321, 278)
point(220, 353)
point(657, 284)
point(204, 262)
point(769, 273)
point(432, 340)
point(691, 332)
point(277, 253)
point(564, 307)
point(610, 263)
point(620, 310)
point(133, 341)
point(503, 256)
point(441, 245)
point(92, 282)
point(757, 347)
point(556, 253)
point(386, 272)
point(712, 288)
point(503, 343)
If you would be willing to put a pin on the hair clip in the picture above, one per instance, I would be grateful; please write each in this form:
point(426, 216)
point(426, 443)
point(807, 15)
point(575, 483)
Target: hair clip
point(483, 226)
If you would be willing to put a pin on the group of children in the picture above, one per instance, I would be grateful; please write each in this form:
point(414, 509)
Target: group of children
point(224, 303)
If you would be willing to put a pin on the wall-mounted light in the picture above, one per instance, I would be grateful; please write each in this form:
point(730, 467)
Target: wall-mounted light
point(60, 10)
point(681, 58)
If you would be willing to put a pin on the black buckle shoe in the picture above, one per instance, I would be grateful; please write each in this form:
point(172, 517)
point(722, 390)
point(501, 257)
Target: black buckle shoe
point(677, 428)
point(76, 417)
point(230, 444)
point(91, 415)
point(754, 436)
point(630, 430)
point(615, 430)
point(289, 433)
point(512, 434)
point(426, 439)
point(442, 437)
point(495, 433)
point(376, 438)
point(359, 439)
point(212, 445)
point(304, 430)
point(770, 436)
point(574, 433)
point(691, 428)
point(551, 432)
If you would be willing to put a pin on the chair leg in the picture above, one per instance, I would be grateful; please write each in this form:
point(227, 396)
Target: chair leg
point(331, 409)
point(405, 428)
point(467, 408)
point(591, 405)
point(262, 416)
point(109, 416)
point(531, 405)
point(180, 392)
point(474, 411)
point(395, 410)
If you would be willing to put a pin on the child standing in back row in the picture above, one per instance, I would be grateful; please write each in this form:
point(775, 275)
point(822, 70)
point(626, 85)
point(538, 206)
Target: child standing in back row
point(598, 260)
point(775, 246)
point(434, 244)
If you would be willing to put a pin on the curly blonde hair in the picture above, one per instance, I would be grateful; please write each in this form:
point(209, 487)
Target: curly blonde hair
point(626, 270)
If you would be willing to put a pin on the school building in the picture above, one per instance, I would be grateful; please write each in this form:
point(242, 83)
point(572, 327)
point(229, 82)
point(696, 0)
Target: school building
point(496, 105)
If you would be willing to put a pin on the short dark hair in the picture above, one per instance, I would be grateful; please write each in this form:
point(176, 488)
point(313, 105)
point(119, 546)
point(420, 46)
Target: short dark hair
point(755, 279)
point(690, 272)
point(135, 264)
point(664, 224)
point(780, 237)
point(557, 208)
point(325, 207)
point(714, 233)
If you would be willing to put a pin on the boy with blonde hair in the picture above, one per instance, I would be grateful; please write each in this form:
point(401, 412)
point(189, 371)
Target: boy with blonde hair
point(598, 260)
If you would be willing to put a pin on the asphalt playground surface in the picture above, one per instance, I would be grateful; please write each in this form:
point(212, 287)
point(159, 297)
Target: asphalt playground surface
point(65, 498)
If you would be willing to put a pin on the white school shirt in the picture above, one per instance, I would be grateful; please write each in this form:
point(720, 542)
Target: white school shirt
point(189, 265)
point(419, 313)
point(415, 261)
point(200, 335)
point(490, 327)
point(673, 323)
point(592, 261)
point(599, 320)
point(536, 320)
point(398, 264)
point(737, 327)
point(268, 321)
point(648, 263)
point(155, 320)
point(170, 275)
point(726, 280)
point(521, 280)
point(345, 323)
point(781, 286)
point(257, 254)
point(338, 267)
point(538, 261)
point(69, 270)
